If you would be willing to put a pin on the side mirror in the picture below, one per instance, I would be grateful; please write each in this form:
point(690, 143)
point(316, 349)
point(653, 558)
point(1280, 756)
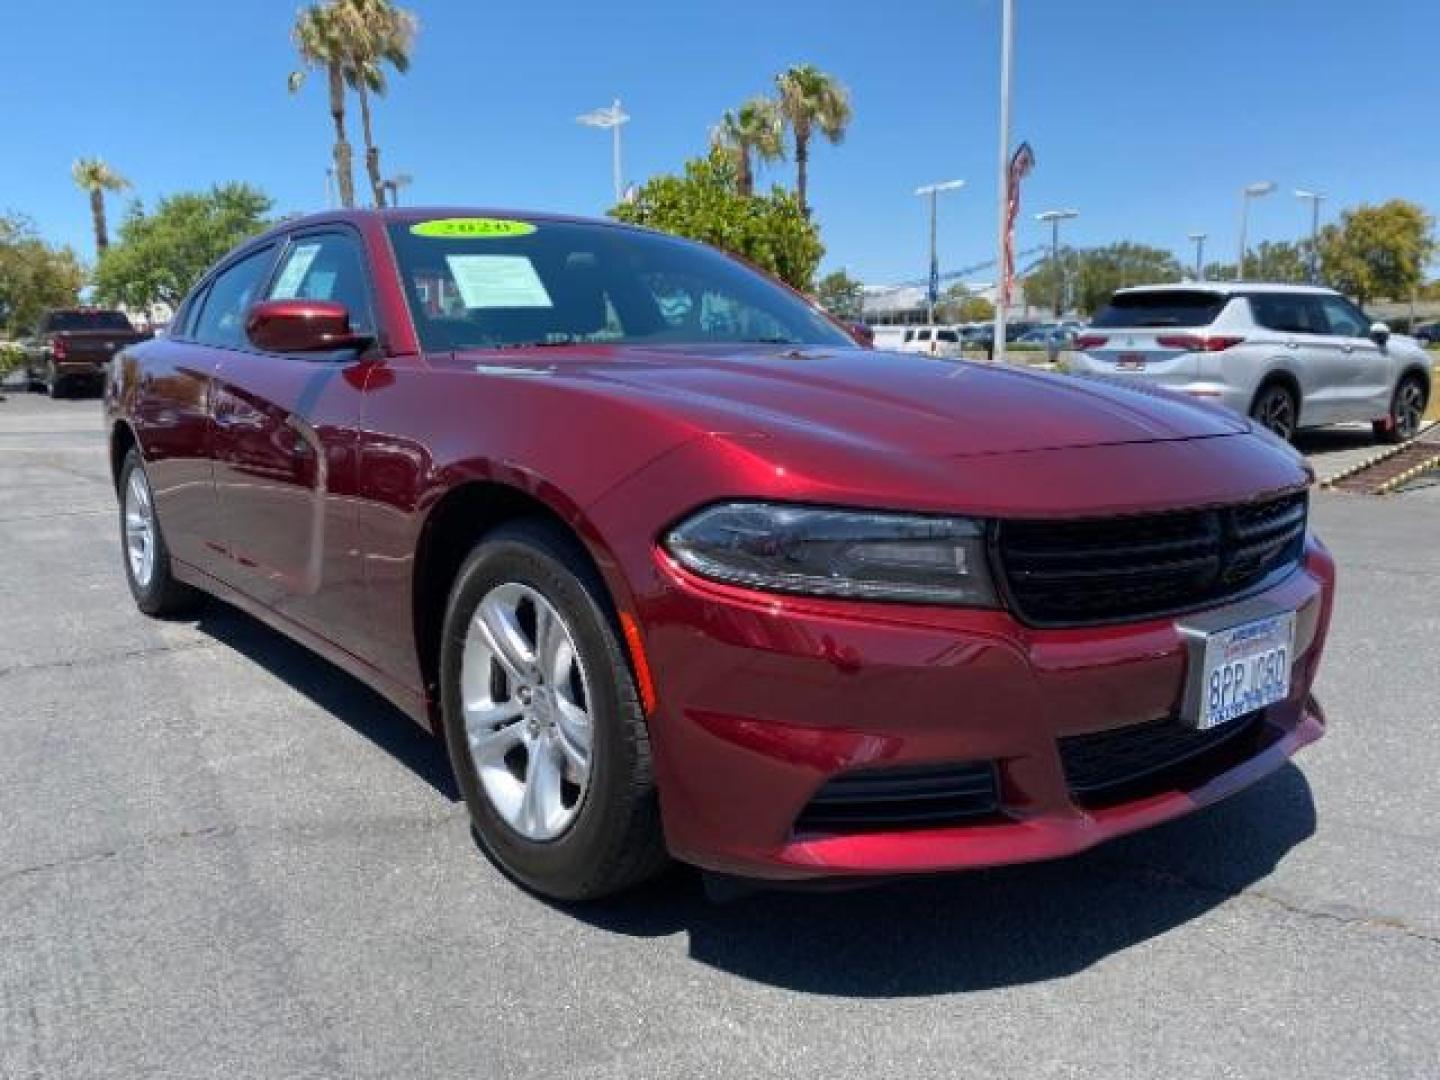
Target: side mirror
point(1379, 333)
point(302, 326)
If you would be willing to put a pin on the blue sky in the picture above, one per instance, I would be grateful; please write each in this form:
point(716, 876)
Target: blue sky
point(1146, 115)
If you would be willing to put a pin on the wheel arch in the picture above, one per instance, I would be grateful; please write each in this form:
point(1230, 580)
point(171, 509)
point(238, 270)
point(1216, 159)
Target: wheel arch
point(1287, 379)
point(454, 524)
point(1416, 369)
point(122, 441)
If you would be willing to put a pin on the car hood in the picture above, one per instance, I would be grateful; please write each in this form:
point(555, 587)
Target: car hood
point(885, 401)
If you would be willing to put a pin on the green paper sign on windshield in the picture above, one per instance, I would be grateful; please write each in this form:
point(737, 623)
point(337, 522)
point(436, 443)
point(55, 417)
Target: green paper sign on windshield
point(472, 228)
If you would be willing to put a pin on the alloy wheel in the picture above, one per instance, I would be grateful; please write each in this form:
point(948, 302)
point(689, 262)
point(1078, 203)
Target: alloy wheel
point(1276, 412)
point(1409, 409)
point(139, 529)
point(525, 698)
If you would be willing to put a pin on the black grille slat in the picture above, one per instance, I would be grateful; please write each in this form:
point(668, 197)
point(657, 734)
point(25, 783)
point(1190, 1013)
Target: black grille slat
point(1071, 572)
point(1107, 765)
point(905, 796)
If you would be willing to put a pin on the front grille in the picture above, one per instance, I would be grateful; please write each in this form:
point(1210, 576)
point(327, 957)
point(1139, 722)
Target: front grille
point(1072, 572)
point(908, 796)
point(1142, 759)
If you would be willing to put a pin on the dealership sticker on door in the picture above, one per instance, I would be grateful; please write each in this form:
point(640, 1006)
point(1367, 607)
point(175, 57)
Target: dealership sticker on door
point(1245, 668)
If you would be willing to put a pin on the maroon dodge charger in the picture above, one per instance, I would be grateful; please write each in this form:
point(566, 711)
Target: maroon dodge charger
point(676, 569)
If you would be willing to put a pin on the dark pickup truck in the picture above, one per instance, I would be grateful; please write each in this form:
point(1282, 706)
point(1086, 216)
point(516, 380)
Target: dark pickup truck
point(73, 347)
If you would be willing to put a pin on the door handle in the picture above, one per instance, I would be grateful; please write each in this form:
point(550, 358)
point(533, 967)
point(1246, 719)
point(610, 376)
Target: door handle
point(1347, 348)
point(1292, 344)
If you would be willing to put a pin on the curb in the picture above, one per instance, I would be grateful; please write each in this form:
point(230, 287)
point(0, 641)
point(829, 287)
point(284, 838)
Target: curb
point(1383, 455)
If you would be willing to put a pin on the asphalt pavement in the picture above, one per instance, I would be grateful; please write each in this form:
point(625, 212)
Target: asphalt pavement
point(220, 857)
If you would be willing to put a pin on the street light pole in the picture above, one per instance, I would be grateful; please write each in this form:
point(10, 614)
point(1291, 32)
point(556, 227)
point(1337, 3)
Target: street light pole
point(1315, 199)
point(1054, 217)
point(1248, 192)
point(932, 192)
point(613, 118)
point(1007, 49)
point(1199, 239)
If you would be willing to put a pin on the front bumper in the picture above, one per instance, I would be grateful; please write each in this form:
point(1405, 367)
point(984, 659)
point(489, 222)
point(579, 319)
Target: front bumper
point(762, 699)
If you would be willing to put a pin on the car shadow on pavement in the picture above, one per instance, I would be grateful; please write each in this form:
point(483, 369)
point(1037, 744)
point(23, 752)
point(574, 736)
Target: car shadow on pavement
point(984, 929)
point(344, 697)
point(1334, 439)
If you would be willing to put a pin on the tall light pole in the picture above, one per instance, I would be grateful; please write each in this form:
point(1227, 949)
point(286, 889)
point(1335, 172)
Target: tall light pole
point(613, 118)
point(1198, 238)
point(1315, 198)
point(1054, 217)
point(1007, 50)
point(1248, 192)
point(932, 192)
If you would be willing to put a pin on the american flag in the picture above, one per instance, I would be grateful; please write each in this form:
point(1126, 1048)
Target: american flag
point(1021, 162)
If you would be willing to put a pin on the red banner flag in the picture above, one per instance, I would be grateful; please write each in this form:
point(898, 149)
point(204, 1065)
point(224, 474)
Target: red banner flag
point(1021, 162)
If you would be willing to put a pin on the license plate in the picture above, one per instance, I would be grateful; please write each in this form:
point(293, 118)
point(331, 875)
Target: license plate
point(1129, 361)
point(1245, 668)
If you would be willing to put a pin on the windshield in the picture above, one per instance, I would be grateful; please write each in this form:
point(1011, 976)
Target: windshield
point(87, 320)
point(487, 283)
point(1161, 307)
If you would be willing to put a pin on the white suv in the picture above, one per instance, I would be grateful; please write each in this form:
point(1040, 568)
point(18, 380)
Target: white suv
point(1290, 356)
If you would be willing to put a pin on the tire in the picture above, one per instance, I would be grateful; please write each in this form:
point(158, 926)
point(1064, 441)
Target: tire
point(1276, 410)
point(55, 385)
point(151, 582)
point(1407, 411)
point(590, 830)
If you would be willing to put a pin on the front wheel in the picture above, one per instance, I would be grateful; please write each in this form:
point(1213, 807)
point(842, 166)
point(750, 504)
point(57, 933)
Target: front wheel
point(1407, 411)
point(544, 728)
point(1276, 410)
point(146, 558)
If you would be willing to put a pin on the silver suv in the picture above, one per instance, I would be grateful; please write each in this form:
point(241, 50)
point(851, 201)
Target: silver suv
point(1290, 356)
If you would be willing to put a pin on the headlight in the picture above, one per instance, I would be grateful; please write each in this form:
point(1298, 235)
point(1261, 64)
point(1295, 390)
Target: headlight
point(849, 553)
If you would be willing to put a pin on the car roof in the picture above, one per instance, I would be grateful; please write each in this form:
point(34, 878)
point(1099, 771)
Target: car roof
point(404, 214)
point(1229, 288)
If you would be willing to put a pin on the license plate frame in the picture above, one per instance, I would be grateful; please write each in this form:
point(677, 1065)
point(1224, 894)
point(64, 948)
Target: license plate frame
point(1237, 665)
point(1130, 361)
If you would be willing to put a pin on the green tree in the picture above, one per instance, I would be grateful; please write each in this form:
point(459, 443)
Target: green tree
point(959, 304)
point(95, 178)
point(841, 295)
point(322, 40)
point(753, 133)
point(1094, 274)
point(160, 255)
point(1271, 261)
point(1052, 278)
point(705, 204)
point(1377, 251)
point(33, 275)
point(811, 101)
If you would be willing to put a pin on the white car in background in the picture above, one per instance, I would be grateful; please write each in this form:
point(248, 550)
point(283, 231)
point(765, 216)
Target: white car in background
point(1288, 356)
point(931, 340)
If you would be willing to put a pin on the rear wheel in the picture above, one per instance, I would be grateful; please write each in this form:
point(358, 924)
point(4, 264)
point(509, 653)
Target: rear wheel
point(54, 382)
point(1276, 410)
point(545, 732)
point(1407, 411)
point(146, 558)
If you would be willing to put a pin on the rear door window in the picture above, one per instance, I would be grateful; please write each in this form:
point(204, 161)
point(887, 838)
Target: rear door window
point(1161, 307)
point(1288, 313)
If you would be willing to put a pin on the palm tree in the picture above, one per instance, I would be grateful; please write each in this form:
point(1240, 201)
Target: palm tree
point(811, 101)
point(755, 132)
point(319, 35)
point(92, 175)
point(377, 33)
